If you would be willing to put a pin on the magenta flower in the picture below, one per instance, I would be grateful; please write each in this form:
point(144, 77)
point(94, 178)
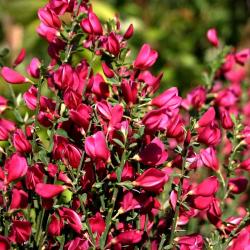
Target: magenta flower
point(20, 231)
point(153, 154)
point(151, 180)
point(12, 76)
point(91, 24)
point(16, 167)
point(146, 57)
point(96, 147)
point(212, 37)
point(20, 142)
point(49, 191)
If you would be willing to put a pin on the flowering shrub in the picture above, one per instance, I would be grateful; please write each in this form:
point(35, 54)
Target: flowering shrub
point(101, 162)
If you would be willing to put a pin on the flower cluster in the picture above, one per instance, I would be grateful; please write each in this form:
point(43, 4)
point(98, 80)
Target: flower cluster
point(99, 161)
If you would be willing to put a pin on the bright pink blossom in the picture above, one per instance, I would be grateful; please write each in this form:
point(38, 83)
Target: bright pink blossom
point(146, 57)
point(12, 76)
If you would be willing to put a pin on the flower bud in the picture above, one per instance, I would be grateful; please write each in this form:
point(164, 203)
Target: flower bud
point(113, 45)
point(107, 71)
point(129, 32)
point(20, 142)
point(55, 226)
point(20, 57)
point(212, 37)
point(92, 24)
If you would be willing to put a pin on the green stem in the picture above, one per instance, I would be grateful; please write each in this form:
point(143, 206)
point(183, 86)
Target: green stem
point(109, 219)
point(177, 208)
point(87, 222)
point(113, 201)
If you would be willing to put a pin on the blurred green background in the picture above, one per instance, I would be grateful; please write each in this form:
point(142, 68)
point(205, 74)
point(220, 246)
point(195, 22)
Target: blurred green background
point(176, 28)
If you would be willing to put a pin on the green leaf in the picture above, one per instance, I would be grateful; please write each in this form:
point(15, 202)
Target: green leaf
point(117, 141)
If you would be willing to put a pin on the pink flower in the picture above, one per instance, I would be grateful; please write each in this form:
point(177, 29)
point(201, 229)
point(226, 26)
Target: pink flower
point(72, 99)
point(152, 82)
point(153, 154)
point(156, 120)
point(20, 57)
point(209, 159)
point(72, 218)
point(169, 99)
point(33, 68)
point(55, 225)
point(208, 187)
point(245, 164)
point(242, 241)
point(92, 24)
point(47, 32)
point(4, 243)
point(207, 118)
point(191, 242)
point(226, 120)
point(113, 45)
point(96, 147)
point(146, 57)
point(77, 243)
point(99, 87)
point(151, 180)
point(30, 97)
point(129, 237)
point(6, 127)
point(237, 185)
point(81, 116)
point(16, 167)
point(129, 32)
point(243, 56)
point(97, 224)
point(129, 91)
point(195, 98)
point(212, 37)
point(107, 71)
point(112, 114)
point(49, 191)
point(20, 231)
point(3, 104)
point(129, 202)
point(11, 76)
point(49, 17)
point(20, 142)
point(73, 154)
point(34, 176)
point(19, 199)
